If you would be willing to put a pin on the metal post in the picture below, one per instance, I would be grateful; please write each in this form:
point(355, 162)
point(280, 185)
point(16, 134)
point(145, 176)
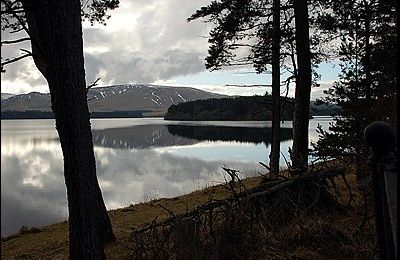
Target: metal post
point(381, 139)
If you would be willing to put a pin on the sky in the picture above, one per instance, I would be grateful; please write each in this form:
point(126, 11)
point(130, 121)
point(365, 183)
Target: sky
point(150, 42)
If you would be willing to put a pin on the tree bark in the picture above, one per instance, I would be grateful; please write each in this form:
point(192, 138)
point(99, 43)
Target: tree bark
point(56, 26)
point(303, 87)
point(276, 106)
point(367, 62)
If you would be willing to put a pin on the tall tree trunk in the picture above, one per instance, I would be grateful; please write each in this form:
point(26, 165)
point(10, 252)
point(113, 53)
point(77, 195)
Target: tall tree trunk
point(367, 58)
point(303, 87)
point(276, 106)
point(56, 28)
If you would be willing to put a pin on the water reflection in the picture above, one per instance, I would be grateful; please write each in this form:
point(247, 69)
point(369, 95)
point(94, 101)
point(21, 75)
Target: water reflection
point(224, 133)
point(33, 189)
point(137, 161)
point(32, 186)
point(150, 136)
point(138, 137)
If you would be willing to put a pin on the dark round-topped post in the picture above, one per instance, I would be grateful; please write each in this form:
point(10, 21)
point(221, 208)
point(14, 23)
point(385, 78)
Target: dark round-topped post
point(380, 137)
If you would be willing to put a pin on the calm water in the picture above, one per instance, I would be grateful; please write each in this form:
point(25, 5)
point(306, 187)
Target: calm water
point(137, 160)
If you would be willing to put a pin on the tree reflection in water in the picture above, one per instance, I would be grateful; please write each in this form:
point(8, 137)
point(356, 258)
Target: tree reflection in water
point(150, 136)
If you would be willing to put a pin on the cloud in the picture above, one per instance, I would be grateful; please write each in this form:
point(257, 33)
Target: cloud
point(144, 41)
point(318, 92)
point(136, 67)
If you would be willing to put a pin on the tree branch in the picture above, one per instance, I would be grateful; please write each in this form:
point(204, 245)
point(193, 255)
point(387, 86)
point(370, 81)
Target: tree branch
point(21, 22)
point(247, 86)
point(8, 61)
point(239, 64)
point(17, 30)
point(16, 41)
point(26, 51)
point(92, 85)
point(12, 11)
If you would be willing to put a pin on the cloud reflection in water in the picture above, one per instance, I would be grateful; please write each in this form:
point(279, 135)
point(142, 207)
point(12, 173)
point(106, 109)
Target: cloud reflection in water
point(130, 168)
point(136, 163)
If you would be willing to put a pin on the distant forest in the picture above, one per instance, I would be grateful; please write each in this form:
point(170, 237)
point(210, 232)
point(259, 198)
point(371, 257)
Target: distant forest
point(253, 108)
point(238, 108)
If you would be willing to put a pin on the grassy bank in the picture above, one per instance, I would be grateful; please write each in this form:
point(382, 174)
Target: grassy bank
point(324, 232)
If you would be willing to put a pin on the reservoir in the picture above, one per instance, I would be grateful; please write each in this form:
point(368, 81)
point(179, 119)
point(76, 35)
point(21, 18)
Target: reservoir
point(137, 160)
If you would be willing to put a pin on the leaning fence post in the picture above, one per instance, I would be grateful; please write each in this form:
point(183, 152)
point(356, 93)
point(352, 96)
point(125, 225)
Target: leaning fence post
point(381, 139)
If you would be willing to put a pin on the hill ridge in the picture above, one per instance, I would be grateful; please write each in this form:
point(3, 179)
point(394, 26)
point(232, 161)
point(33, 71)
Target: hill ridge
point(123, 97)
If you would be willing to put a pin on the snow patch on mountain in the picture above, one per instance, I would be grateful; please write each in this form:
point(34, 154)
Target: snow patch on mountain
point(179, 95)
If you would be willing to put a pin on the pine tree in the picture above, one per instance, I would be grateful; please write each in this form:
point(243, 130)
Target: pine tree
point(366, 91)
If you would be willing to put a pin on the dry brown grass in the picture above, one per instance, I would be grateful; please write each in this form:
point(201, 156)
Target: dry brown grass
point(333, 234)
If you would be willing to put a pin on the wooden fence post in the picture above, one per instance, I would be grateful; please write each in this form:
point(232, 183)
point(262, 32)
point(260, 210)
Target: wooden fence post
point(381, 139)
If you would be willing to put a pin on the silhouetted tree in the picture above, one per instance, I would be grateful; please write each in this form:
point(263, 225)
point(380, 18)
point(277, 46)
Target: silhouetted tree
point(276, 89)
point(54, 29)
point(237, 24)
point(303, 86)
point(367, 89)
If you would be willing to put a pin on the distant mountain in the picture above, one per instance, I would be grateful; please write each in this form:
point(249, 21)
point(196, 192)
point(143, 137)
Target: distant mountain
point(130, 100)
point(143, 97)
point(115, 98)
point(4, 96)
point(30, 101)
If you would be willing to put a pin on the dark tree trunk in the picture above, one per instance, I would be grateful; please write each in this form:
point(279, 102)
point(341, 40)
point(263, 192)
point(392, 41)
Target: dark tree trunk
point(276, 107)
point(56, 31)
point(303, 87)
point(367, 61)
